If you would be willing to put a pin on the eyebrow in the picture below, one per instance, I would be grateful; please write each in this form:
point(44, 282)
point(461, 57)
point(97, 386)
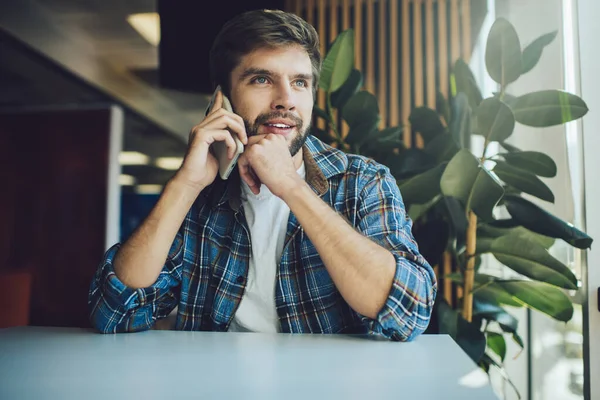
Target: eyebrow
point(261, 71)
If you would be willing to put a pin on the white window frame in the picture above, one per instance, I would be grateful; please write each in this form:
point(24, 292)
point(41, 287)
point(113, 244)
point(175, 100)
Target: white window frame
point(586, 16)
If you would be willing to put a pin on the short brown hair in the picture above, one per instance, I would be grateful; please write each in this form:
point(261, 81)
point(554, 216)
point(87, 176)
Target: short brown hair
point(257, 29)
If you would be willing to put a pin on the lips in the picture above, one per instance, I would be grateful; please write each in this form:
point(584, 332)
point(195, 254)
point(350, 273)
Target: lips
point(282, 123)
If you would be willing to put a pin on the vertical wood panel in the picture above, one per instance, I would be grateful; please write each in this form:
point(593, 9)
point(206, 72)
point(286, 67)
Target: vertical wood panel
point(298, 7)
point(394, 71)
point(358, 56)
point(454, 32)
point(466, 29)
point(406, 68)
point(333, 20)
point(430, 59)
point(443, 47)
point(345, 14)
point(322, 36)
point(345, 26)
point(333, 32)
point(310, 9)
point(370, 45)
point(418, 60)
point(382, 78)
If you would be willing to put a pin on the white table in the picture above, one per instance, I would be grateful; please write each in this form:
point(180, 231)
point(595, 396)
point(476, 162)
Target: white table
point(64, 363)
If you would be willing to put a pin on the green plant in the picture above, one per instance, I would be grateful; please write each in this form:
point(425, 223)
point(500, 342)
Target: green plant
point(454, 196)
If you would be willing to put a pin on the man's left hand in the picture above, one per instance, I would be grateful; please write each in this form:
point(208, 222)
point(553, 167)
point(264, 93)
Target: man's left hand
point(267, 160)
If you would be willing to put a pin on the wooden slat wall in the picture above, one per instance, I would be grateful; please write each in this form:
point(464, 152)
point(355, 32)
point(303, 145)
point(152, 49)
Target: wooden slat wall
point(404, 48)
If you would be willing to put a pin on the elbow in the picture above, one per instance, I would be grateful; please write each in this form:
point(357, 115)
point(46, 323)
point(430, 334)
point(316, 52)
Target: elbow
point(407, 311)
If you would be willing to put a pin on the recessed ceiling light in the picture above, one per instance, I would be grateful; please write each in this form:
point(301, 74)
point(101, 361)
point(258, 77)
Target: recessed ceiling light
point(148, 189)
point(170, 163)
point(133, 158)
point(126, 180)
point(147, 25)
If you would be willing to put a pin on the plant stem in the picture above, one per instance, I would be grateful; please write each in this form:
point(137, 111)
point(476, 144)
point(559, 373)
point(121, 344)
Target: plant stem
point(469, 278)
point(467, 311)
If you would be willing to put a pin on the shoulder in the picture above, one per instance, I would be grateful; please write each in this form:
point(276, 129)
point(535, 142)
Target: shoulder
point(335, 162)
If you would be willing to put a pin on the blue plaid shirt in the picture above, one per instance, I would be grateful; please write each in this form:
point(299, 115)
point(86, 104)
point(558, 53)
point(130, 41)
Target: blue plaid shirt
point(206, 269)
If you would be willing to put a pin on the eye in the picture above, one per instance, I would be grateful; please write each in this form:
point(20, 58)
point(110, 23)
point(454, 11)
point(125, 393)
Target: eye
point(261, 80)
point(301, 83)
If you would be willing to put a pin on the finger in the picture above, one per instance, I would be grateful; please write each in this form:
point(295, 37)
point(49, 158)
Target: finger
point(226, 120)
point(217, 103)
point(255, 139)
point(256, 179)
point(248, 175)
point(222, 136)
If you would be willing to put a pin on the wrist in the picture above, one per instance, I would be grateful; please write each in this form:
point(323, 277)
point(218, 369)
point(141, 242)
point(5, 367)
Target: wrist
point(296, 187)
point(181, 184)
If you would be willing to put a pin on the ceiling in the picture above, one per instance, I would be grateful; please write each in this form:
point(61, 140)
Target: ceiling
point(74, 53)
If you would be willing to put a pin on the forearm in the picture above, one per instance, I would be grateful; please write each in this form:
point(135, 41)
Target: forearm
point(140, 259)
point(362, 270)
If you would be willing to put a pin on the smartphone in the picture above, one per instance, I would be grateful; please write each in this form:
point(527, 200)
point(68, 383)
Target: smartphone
point(219, 149)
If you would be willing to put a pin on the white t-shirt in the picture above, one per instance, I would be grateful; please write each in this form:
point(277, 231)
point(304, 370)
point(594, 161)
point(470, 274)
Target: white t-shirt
point(267, 217)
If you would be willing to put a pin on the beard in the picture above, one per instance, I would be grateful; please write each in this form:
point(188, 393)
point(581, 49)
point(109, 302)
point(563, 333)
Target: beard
point(301, 131)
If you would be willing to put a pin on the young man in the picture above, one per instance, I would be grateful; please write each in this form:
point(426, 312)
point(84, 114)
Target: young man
point(301, 238)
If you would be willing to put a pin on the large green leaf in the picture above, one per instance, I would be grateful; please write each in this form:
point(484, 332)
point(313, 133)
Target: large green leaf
point(540, 296)
point(358, 133)
point(529, 258)
point(503, 53)
point(466, 83)
point(427, 122)
point(487, 361)
point(489, 231)
point(442, 147)
point(361, 113)
point(533, 161)
point(319, 112)
point(338, 63)
point(388, 137)
point(533, 52)
point(492, 311)
point(509, 147)
point(467, 335)
point(457, 217)
point(442, 107)
point(548, 108)
point(423, 187)
point(411, 162)
point(490, 293)
point(416, 211)
point(471, 183)
point(496, 342)
point(523, 180)
point(538, 220)
point(322, 135)
point(460, 126)
point(348, 89)
point(495, 120)
point(362, 105)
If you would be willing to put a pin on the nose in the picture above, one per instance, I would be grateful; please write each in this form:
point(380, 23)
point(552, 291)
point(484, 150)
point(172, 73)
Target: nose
point(283, 99)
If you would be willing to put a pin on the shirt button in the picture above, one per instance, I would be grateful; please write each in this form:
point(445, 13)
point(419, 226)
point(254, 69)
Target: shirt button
point(239, 279)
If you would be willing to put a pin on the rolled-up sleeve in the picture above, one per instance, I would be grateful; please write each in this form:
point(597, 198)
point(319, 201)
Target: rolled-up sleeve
point(115, 307)
point(383, 218)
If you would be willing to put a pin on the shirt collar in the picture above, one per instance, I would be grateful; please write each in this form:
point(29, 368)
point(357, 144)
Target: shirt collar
point(322, 162)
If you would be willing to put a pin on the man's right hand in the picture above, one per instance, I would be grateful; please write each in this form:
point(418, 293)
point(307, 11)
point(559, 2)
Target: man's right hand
point(200, 167)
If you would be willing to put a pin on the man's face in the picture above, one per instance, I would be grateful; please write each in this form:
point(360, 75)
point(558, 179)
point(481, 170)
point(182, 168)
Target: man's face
point(272, 90)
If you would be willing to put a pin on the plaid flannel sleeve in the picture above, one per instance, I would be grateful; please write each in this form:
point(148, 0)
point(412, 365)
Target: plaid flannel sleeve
point(115, 307)
point(383, 218)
